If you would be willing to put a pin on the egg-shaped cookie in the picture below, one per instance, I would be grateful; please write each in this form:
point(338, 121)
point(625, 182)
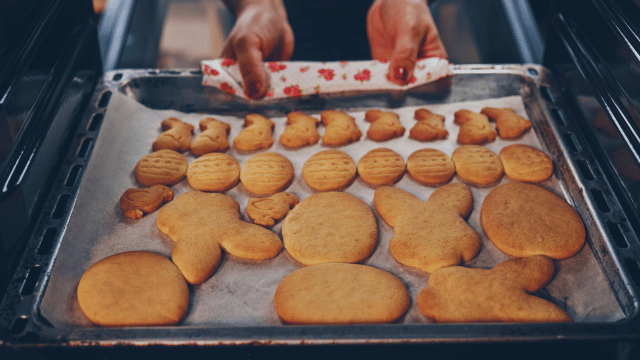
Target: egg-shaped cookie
point(163, 167)
point(381, 166)
point(477, 164)
point(329, 170)
point(525, 163)
point(430, 166)
point(267, 173)
point(214, 172)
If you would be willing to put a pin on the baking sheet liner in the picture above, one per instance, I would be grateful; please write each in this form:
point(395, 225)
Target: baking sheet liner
point(240, 293)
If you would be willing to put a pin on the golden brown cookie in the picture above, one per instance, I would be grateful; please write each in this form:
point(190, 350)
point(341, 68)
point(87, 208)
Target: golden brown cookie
point(477, 164)
point(429, 127)
point(341, 128)
point(385, 125)
point(509, 124)
point(429, 235)
point(381, 166)
point(475, 128)
point(430, 166)
point(329, 170)
point(163, 167)
point(267, 173)
point(330, 227)
point(355, 294)
point(525, 163)
point(213, 137)
point(204, 224)
point(265, 211)
point(136, 202)
point(214, 172)
point(301, 130)
point(503, 294)
point(525, 219)
point(176, 135)
point(137, 288)
point(256, 134)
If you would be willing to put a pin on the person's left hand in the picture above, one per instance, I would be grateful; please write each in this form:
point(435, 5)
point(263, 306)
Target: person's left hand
point(401, 32)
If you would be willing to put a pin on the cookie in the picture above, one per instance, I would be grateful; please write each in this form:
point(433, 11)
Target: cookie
point(430, 166)
point(525, 163)
point(301, 130)
point(329, 170)
point(256, 134)
point(137, 288)
point(509, 124)
point(475, 128)
point(176, 135)
point(267, 173)
point(204, 224)
point(429, 127)
point(503, 294)
point(340, 294)
point(330, 227)
point(429, 235)
point(524, 219)
point(136, 202)
point(340, 128)
point(214, 172)
point(163, 167)
point(477, 164)
point(381, 166)
point(385, 125)
point(213, 137)
point(265, 211)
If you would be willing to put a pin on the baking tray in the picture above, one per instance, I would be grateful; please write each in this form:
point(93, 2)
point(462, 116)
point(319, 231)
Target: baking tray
point(82, 223)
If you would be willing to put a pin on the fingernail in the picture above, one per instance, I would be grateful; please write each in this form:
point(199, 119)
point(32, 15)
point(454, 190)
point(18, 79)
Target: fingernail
point(252, 89)
point(401, 74)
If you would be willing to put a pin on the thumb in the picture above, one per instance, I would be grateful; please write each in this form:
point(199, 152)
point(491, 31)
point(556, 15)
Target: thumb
point(254, 74)
point(403, 60)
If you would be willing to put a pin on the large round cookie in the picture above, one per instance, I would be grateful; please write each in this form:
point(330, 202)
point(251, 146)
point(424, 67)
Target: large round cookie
point(524, 220)
point(136, 288)
point(330, 227)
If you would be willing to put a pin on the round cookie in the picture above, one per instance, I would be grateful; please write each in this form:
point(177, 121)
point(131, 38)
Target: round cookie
point(525, 163)
point(340, 294)
point(214, 172)
point(430, 166)
point(381, 166)
point(163, 167)
point(477, 164)
point(267, 173)
point(523, 220)
point(330, 227)
point(137, 288)
point(329, 170)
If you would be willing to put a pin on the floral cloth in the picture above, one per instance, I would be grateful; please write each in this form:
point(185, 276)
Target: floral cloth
point(290, 79)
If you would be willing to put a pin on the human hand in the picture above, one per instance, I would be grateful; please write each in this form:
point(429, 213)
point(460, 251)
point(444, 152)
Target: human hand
point(401, 32)
point(261, 32)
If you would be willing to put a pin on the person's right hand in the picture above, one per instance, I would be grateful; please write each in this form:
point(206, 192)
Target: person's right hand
point(261, 32)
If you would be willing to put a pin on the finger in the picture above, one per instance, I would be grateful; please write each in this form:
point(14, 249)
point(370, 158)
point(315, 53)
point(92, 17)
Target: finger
point(403, 60)
point(433, 46)
point(254, 75)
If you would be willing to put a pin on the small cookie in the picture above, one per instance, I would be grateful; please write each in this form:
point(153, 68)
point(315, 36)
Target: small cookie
point(214, 172)
point(302, 130)
point(163, 167)
point(329, 170)
point(430, 166)
point(176, 135)
point(526, 163)
point(381, 166)
point(524, 219)
point(204, 224)
point(137, 288)
point(385, 125)
point(267, 173)
point(136, 202)
point(330, 227)
point(477, 164)
point(429, 127)
point(503, 294)
point(355, 294)
point(341, 128)
point(256, 134)
point(475, 128)
point(265, 211)
point(429, 235)
point(509, 124)
point(213, 137)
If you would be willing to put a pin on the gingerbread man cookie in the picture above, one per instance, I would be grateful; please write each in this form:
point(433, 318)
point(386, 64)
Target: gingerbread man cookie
point(509, 124)
point(385, 125)
point(256, 134)
point(341, 128)
point(213, 137)
point(302, 130)
point(176, 135)
point(429, 127)
point(137, 202)
point(265, 211)
point(474, 128)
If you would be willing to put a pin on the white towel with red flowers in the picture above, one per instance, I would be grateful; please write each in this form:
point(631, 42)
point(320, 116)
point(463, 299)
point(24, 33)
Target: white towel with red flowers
point(295, 78)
